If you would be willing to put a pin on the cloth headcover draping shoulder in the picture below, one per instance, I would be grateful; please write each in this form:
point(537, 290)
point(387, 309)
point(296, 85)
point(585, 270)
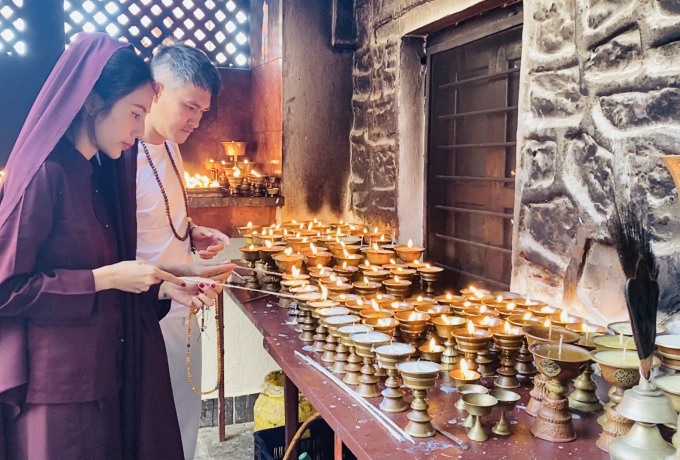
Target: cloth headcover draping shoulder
point(60, 99)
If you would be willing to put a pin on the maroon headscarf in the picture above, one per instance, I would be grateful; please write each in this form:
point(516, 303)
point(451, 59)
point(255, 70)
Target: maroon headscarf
point(60, 99)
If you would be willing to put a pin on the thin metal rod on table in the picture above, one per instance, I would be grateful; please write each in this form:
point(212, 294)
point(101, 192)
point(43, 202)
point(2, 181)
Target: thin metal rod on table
point(290, 404)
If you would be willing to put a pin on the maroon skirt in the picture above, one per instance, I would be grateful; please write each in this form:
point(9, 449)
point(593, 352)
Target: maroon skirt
point(82, 431)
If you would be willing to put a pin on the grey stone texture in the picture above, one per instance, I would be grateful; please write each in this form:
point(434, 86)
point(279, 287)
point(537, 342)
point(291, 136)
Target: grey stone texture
point(599, 103)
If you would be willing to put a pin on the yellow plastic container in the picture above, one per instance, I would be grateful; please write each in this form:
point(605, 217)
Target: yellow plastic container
point(268, 411)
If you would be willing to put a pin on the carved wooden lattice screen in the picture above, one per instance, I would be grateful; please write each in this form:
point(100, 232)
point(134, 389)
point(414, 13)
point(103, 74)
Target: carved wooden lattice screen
point(218, 27)
point(471, 156)
point(12, 28)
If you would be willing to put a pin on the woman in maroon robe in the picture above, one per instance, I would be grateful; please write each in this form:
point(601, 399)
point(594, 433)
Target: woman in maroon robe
point(81, 355)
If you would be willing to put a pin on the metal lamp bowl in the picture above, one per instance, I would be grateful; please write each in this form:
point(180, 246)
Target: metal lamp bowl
point(541, 334)
point(562, 367)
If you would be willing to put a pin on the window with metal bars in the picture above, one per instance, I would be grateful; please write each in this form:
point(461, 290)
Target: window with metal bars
point(473, 95)
point(218, 27)
point(12, 28)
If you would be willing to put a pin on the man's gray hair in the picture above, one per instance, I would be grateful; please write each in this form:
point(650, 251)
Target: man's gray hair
point(176, 65)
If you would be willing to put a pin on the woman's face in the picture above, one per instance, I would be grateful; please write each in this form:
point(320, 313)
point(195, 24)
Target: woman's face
point(117, 130)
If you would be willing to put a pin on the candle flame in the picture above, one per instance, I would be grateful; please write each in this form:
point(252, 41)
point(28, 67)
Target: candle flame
point(412, 316)
point(470, 327)
point(382, 237)
point(360, 302)
point(527, 316)
point(476, 292)
point(237, 172)
point(374, 268)
point(464, 367)
point(417, 262)
point(288, 251)
point(375, 230)
point(332, 277)
point(313, 248)
point(324, 292)
point(345, 253)
point(393, 262)
point(432, 343)
point(365, 280)
point(564, 316)
point(547, 309)
point(482, 309)
point(410, 243)
point(268, 244)
point(296, 272)
point(339, 283)
point(396, 279)
point(428, 266)
point(368, 264)
point(420, 298)
point(449, 296)
point(400, 269)
point(375, 246)
point(344, 265)
point(547, 323)
point(511, 306)
point(271, 232)
point(310, 226)
point(499, 299)
point(506, 328)
point(488, 320)
point(374, 304)
point(249, 225)
point(467, 304)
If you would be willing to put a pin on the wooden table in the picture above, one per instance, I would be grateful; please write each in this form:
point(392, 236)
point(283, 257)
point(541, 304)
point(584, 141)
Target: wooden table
point(368, 439)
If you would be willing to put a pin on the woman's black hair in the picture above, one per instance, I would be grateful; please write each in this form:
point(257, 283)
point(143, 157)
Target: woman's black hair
point(123, 73)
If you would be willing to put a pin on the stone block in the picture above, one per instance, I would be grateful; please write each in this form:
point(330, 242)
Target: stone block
point(552, 223)
point(620, 54)
point(538, 159)
point(588, 176)
point(642, 109)
point(556, 94)
point(597, 12)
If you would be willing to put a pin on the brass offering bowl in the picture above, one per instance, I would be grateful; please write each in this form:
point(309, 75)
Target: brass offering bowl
point(397, 287)
point(378, 256)
point(449, 299)
point(386, 325)
point(331, 340)
point(365, 344)
point(559, 363)
point(478, 405)
point(299, 244)
point(401, 272)
point(352, 260)
point(267, 253)
point(471, 341)
point(345, 270)
point(365, 287)
point(509, 340)
point(412, 324)
point(506, 402)
point(250, 253)
point(334, 323)
point(352, 367)
point(544, 311)
point(389, 356)
point(465, 389)
point(563, 320)
point(419, 376)
point(409, 253)
point(376, 275)
point(620, 368)
point(371, 313)
point(444, 325)
point(625, 328)
point(430, 275)
point(314, 259)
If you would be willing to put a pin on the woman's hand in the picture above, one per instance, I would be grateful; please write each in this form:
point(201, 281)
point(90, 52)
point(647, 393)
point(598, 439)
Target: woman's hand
point(132, 276)
point(196, 293)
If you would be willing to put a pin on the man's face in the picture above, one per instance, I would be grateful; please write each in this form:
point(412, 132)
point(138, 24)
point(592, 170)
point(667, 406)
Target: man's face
point(176, 112)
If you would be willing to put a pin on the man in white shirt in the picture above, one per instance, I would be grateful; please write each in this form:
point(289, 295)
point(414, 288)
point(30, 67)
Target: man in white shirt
point(186, 82)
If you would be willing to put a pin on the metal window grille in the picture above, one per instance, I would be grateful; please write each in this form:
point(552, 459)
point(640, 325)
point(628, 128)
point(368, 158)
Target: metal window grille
point(12, 28)
point(471, 160)
point(218, 27)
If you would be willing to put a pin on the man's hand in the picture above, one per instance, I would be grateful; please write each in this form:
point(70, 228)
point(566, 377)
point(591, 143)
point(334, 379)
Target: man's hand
point(208, 241)
point(216, 272)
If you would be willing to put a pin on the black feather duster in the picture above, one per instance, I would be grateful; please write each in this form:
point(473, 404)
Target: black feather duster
point(634, 246)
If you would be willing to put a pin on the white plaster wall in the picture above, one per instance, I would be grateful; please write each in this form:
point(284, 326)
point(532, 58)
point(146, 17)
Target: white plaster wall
point(246, 363)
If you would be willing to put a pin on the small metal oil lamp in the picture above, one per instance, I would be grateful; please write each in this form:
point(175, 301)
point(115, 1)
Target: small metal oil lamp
point(397, 287)
point(509, 340)
point(478, 405)
point(412, 324)
point(330, 346)
point(559, 363)
point(305, 317)
point(385, 325)
point(366, 287)
point(506, 402)
point(419, 376)
point(430, 275)
point(468, 389)
point(334, 323)
point(444, 325)
point(408, 252)
point(378, 256)
point(463, 376)
point(376, 275)
point(365, 344)
point(315, 257)
point(345, 270)
point(320, 327)
point(389, 356)
point(584, 397)
point(287, 260)
point(471, 340)
point(353, 366)
point(431, 351)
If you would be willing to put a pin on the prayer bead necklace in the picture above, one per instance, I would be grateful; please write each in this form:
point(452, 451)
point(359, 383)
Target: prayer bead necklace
point(194, 312)
point(165, 196)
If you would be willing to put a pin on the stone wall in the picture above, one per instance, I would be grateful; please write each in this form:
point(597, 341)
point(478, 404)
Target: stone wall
point(599, 103)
